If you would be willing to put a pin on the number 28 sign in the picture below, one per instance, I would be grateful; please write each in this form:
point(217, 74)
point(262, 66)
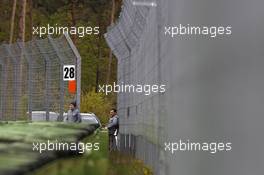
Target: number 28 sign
point(68, 72)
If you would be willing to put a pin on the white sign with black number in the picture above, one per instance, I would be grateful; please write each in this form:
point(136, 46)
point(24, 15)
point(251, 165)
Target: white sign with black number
point(68, 72)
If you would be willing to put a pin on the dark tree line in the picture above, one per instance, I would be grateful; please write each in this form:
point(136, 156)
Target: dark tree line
point(17, 17)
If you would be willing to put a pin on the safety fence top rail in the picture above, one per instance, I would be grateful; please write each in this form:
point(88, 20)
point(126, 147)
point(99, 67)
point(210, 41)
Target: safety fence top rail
point(125, 34)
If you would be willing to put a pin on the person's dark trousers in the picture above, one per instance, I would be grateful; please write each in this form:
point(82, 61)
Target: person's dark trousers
point(112, 142)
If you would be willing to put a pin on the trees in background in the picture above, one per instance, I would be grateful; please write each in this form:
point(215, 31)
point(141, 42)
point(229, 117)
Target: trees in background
point(96, 103)
point(12, 21)
point(22, 20)
point(73, 17)
point(17, 17)
point(110, 52)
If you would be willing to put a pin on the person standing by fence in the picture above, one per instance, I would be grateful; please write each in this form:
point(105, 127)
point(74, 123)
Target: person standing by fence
point(73, 114)
point(113, 127)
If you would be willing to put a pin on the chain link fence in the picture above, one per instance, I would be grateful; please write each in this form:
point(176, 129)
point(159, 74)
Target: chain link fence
point(134, 39)
point(31, 78)
point(214, 86)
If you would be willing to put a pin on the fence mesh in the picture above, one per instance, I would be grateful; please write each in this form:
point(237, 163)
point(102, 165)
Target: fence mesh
point(32, 78)
point(134, 39)
point(214, 86)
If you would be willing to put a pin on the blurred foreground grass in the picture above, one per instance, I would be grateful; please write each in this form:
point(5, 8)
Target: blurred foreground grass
point(96, 162)
point(16, 143)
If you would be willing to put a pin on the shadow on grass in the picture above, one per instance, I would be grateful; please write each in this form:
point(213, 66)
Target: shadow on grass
point(99, 162)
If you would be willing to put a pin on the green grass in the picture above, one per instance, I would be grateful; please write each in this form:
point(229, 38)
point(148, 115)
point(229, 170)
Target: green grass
point(39, 131)
point(96, 162)
point(16, 142)
point(16, 153)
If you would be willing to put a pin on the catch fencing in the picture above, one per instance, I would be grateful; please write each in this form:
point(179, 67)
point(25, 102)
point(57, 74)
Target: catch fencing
point(214, 85)
point(134, 39)
point(31, 78)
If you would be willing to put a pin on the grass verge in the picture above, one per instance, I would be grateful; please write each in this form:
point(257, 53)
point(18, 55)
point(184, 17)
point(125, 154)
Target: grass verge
point(16, 143)
point(96, 162)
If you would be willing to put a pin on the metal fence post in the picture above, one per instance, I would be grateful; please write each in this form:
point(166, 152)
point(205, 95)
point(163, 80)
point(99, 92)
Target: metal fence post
point(15, 79)
point(61, 78)
point(29, 76)
point(161, 163)
point(1, 83)
point(47, 77)
point(78, 68)
point(3, 86)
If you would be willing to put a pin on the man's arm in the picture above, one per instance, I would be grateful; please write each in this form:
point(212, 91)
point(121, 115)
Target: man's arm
point(79, 120)
point(114, 123)
point(77, 116)
point(65, 119)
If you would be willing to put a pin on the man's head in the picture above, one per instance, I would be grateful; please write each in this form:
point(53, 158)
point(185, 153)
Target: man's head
point(72, 105)
point(112, 112)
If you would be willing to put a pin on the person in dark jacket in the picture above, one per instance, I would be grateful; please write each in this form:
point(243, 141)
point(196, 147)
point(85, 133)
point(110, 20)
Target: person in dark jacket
point(73, 115)
point(113, 127)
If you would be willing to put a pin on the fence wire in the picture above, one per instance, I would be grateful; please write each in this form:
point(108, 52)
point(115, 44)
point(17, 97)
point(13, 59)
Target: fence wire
point(134, 39)
point(214, 86)
point(31, 78)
